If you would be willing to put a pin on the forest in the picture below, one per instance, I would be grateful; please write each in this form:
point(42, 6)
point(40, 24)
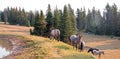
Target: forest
point(67, 20)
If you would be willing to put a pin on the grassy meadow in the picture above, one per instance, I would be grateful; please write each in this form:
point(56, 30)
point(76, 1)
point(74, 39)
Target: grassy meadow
point(40, 47)
point(43, 48)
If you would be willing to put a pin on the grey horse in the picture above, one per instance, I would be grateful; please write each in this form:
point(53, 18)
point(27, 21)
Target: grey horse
point(75, 40)
point(55, 34)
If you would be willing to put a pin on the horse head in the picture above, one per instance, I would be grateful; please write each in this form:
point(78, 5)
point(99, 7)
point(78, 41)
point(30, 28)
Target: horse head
point(79, 38)
point(90, 50)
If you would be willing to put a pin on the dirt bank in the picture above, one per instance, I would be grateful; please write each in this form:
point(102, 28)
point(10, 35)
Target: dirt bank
point(17, 43)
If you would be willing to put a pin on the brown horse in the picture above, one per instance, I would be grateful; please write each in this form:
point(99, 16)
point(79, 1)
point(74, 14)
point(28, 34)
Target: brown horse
point(75, 40)
point(55, 34)
point(81, 45)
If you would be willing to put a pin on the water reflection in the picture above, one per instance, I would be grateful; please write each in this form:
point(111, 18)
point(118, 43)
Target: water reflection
point(5, 47)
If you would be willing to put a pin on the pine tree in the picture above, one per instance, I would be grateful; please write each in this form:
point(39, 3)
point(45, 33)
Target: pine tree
point(67, 28)
point(42, 23)
point(49, 20)
point(0, 17)
point(31, 18)
point(73, 19)
point(81, 19)
point(88, 21)
point(36, 30)
point(5, 16)
point(57, 18)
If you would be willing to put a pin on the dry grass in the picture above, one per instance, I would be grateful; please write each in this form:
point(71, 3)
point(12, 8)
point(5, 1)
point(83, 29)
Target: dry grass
point(40, 47)
point(12, 29)
point(48, 49)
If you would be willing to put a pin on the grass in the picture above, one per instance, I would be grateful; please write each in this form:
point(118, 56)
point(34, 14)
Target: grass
point(62, 47)
point(43, 48)
point(76, 56)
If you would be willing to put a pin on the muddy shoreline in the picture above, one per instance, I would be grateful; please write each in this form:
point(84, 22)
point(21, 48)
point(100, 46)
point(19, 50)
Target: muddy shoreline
point(17, 44)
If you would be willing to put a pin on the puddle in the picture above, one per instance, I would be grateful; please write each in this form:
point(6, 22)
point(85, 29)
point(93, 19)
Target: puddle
point(5, 48)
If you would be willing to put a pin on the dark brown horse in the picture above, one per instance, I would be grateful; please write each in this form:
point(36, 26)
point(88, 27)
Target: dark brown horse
point(75, 40)
point(55, 34)
point(81, 45)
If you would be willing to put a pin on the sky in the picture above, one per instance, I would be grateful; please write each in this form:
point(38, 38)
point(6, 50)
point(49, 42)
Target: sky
point(43, 4)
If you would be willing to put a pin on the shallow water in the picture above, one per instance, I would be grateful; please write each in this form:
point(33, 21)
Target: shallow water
point(5, 47)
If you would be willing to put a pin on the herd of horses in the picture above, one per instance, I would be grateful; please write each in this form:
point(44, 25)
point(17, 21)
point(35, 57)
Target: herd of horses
point(76, 41)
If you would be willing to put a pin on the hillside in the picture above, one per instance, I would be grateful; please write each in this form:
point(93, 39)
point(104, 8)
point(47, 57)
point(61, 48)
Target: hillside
point(36, 47)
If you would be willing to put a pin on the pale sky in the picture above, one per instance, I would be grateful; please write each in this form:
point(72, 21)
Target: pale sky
point(43, 4)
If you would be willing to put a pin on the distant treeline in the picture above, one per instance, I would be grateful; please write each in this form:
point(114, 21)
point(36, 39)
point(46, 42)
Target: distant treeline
point(66, 20)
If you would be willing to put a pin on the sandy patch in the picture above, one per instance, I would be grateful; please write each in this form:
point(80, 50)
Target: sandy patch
point(98, 43)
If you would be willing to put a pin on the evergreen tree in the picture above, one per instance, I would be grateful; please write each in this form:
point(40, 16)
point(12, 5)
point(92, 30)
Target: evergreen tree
point(117, 33)
point(31, 18)
point(0, 17)
point(67, 28)
point(81, 19)
point(5, 16)
point(42, 23)
point(49, 20)
point(94, 20)
point(72, 18)
point(88, 21)
point(57, 18)
point(111, 19)
point(36, 30)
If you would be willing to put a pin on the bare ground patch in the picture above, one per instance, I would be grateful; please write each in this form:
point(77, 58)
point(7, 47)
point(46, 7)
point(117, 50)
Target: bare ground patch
point(17, 43)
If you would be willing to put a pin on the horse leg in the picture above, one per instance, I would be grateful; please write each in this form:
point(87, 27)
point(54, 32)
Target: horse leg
point(76, 46)
point(93, 56)
point(58, 38)
point(50, 37)
point(99, 55)
point(72, 44)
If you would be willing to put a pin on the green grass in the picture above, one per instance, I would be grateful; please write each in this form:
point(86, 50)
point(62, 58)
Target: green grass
point(62, 47)
point(76, 56)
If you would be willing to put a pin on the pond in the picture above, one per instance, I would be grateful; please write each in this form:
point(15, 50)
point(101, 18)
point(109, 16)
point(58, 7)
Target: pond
point(5, 47)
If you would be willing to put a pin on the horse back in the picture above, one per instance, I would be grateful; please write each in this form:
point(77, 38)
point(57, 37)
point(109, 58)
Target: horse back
point(73, 37)
point(55, 32)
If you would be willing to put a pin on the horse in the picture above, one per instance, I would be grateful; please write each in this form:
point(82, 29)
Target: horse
point(91, 50)
point(96, 51)
point(75, 40)
point(81, 46)
point(55, 34)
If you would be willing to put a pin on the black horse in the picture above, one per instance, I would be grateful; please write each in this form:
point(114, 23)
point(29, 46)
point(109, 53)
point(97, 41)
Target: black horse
point(55, 34)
